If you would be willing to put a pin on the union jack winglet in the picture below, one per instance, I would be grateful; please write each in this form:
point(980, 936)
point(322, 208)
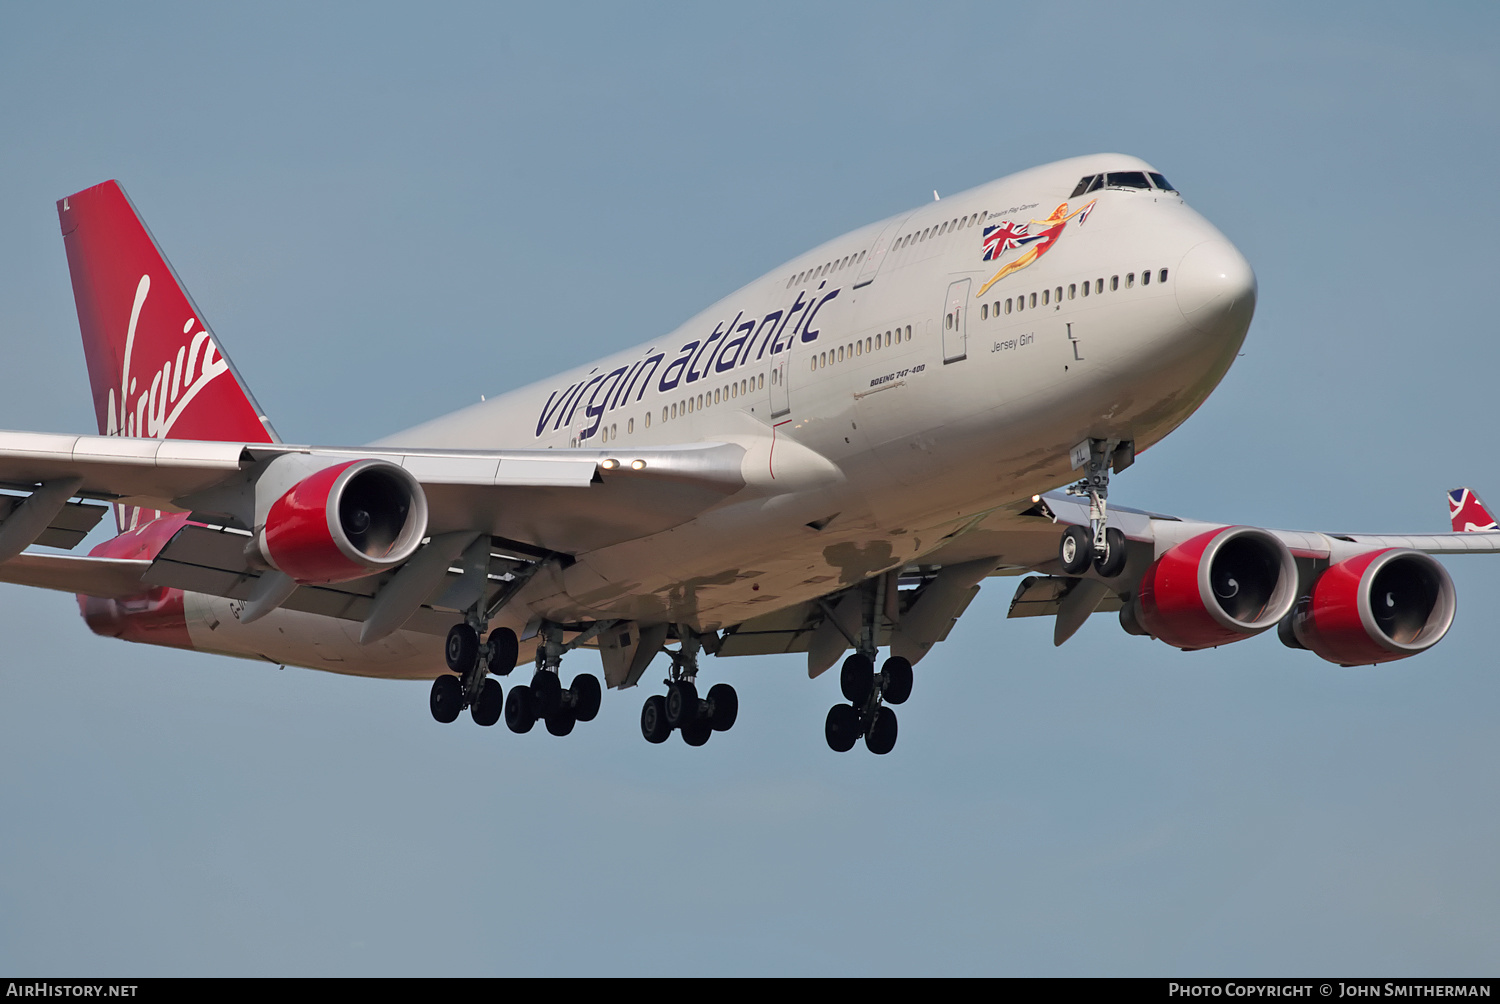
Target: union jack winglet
point(1468, 512)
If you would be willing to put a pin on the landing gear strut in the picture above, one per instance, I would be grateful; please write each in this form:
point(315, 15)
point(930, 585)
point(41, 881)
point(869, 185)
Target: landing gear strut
point(869, 693)
point(545, 699)
point(1101, 546)
point(472, 663)
point(681, 708)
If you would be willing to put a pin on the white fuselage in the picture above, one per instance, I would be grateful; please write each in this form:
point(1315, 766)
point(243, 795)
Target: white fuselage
point(875, 443)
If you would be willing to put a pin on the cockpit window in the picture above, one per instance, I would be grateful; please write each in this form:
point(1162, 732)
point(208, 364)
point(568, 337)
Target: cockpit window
point(1121, 179)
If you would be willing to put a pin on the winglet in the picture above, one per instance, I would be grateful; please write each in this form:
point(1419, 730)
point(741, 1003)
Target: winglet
point(1468, 512)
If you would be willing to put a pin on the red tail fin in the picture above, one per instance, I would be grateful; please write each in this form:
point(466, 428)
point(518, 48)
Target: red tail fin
point(156, 369)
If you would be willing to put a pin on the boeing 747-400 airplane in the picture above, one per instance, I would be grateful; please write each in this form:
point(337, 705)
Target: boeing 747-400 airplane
point(831, 458)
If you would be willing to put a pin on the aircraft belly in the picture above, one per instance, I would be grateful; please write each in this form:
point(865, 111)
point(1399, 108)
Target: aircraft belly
point(313, 641)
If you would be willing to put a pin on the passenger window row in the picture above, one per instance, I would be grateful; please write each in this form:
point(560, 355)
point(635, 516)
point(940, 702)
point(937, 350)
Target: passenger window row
point(858, 347)
point(825, 269)
point(1048, 296)
point(709, 398)
point(939, 230)
point(915, 237)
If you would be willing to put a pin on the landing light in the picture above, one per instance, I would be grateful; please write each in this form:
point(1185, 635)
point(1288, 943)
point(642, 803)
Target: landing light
point(1036, 498)
point(637, 465)
point(610, 464)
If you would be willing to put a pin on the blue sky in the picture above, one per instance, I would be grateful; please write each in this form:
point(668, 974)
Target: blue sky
point(386, 212)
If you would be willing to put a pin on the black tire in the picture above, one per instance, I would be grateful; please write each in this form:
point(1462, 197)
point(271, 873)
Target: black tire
point(682, 704)
point(447, 698)
point(880, 737)
point(1115, 553)
point(896, 680)
point(520, 709)
point(841, 728)
point(586, 696)
point(696, 733)
point(462, 649)
point(654, 719)
point(561, 723)
point(505, 648)
point(724, 707)
point(490, 706)
point(546, 690)
point(1076, 550)
point(857, 679)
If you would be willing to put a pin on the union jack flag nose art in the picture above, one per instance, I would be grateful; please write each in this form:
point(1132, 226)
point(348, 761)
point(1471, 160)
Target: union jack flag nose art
point(1468, 512)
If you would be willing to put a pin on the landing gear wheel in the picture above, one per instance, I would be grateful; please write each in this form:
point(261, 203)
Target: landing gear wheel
point(546, 691)
point(857, 679)
point(654, 719)
point(490, 705)
point(586, 696)
point(462, 650)
point(682, 704)
point(880, 737)
point(505, 648)
point(724, 707)
point(561, 723)
point(1112, 562)
point(520, 709)
point(1076, 550)
point(841, 728)
point(697, 733)
point(447, 698)
point(896, 680)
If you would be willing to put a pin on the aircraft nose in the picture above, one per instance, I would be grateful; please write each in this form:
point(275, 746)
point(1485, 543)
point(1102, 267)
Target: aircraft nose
point(1216, 288)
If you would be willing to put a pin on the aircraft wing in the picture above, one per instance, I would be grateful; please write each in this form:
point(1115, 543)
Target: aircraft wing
point(556, 500)
point(1023, 540)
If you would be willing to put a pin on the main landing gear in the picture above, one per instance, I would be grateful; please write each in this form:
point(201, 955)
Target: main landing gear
point(867, 714)
point(1101, 546)
point(545, 699)
point(681, 708)
point(869, 693)
point(472, 663)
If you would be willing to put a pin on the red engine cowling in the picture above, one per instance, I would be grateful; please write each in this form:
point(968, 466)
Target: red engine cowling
point(1218, 587)
point(345, 522)
point(1376, 607)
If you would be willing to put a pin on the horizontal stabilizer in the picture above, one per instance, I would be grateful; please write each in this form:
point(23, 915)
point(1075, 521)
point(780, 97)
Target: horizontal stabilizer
point(106, 578)
point(1468, 512)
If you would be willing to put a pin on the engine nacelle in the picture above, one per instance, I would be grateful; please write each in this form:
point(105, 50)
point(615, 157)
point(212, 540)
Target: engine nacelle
point(345, 522)
point(1376, 607)
point(1218, 587)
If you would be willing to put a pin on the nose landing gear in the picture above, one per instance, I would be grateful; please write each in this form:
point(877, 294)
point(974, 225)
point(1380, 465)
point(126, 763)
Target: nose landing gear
point(1101, 546)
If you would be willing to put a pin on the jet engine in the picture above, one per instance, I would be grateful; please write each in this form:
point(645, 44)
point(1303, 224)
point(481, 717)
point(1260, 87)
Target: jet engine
point(1376, 607)
point(345, 522)
point(1218, 587)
